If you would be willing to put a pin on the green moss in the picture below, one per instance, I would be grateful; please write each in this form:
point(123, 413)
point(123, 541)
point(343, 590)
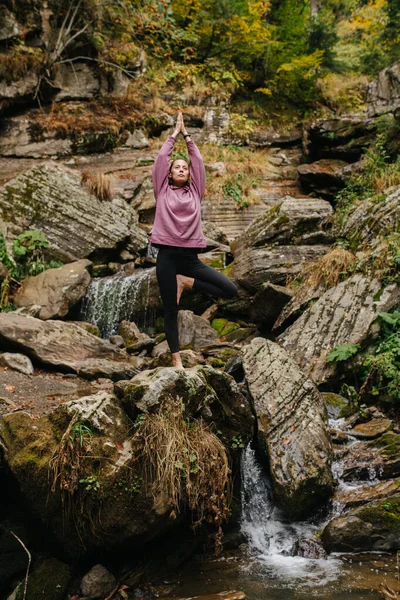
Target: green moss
point(217, 363)
point(49, 581)
point(385, 513)
point(219, 324)
point(228, 270)
point(334, 400)
point(389, 443)
point(240, 334)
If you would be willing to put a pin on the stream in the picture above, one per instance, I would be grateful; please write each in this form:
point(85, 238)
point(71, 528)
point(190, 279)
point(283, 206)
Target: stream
point(265, 568)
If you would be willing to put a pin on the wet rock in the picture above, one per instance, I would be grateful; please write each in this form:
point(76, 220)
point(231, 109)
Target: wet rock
point(287, 223)
point(334, 404)
point(358, 496)
point(255, 266)
point(344, 314)
point(204, 391)
point(309, 549)
point(323, 177)
point(341, 137)
point(370, 220)
point(50, 198)
point(195, 331)
point(56, 291)
point(98, 582)
point(17, 362)
point(374, 526)
point(377, 459)
point(292, 426)
point(372, 429)
point(383, 94)
point(65, 346)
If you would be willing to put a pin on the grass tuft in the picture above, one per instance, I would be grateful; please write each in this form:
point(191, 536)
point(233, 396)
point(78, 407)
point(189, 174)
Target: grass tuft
point(98, 184)
point(186, 463)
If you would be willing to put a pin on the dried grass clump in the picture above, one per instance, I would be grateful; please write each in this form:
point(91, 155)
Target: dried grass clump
point(186, 463)
point(98, 184)
point(330, 269)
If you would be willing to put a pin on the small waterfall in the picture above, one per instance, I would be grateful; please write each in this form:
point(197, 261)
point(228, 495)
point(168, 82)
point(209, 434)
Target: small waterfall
point(109, 300)
point(271, 536)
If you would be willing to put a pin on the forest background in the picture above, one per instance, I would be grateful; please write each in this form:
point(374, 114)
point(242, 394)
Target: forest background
point(275, 60)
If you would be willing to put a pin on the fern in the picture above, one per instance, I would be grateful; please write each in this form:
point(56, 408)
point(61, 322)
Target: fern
point(342, 352)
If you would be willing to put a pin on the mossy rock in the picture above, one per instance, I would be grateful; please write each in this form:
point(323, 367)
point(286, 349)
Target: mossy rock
point(374, 526)
point(389, 444)
point(49, 581)
point(239, 334)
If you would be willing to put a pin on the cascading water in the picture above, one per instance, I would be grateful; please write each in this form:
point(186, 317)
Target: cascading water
point(109, 300)
point(271, 537)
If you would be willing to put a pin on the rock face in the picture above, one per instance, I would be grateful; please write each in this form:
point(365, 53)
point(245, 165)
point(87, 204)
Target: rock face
point(383, 94)
point(343, 137)
point(79, 81)
point(344, 314)
point(56, 291)
point(375, 526)
point(17, 139)
point(372, 219)
point(195, 331)
point(292, 426)
point(293, 221)
point(64, 346)
point(50, 198)
point(204, 391)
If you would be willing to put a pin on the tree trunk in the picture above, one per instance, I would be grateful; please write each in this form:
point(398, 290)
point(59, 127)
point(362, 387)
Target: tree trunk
point(314, 9)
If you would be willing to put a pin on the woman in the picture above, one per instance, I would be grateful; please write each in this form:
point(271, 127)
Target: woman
point(178, 189)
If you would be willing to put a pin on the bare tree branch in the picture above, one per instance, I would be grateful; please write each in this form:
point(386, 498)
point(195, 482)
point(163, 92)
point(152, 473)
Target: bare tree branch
point(98, 60)
point(29, 562)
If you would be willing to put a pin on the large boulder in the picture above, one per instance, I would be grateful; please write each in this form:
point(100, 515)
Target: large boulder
point(292, 427)
point(372, 527)
point(55, 291)
point(97, 494)
point(50, 198)
point(205, 392)
point(78, 81)
point(292, 221)
point(195, 331)
point(64, 346)
point(383, 94)
point(324, 177)
point(344, 314)
point(254, 266)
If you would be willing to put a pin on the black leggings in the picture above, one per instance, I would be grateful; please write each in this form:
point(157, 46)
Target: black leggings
point(172, 261)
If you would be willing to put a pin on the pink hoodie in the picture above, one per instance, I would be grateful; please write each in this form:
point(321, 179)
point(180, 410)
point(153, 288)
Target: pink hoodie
point(178, 210)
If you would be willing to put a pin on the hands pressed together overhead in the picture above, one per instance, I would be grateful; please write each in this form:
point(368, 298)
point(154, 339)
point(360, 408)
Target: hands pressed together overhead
point(180, 127)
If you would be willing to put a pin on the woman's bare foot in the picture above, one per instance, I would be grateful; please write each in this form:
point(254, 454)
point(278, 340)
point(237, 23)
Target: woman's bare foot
point(182, 282)
point(177, 361)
